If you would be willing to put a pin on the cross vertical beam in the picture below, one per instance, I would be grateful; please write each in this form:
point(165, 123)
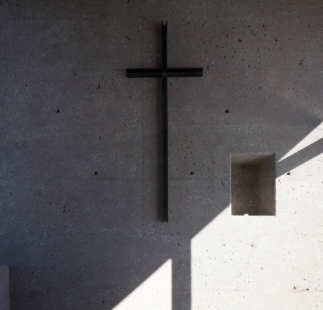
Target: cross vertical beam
point(164, 73)
point(164, 177)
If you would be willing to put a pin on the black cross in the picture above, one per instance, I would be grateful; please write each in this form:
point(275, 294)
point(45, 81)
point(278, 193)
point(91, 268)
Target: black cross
point(164, 73)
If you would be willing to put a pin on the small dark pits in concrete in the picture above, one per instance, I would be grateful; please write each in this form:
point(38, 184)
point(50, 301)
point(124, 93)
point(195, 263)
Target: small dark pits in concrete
point(191, 173)
point(95, 172)
point(57, 111)
point(227, 111)
point(288, 173)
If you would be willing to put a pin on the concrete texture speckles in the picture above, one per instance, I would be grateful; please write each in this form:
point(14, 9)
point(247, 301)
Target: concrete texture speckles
point(79, 153)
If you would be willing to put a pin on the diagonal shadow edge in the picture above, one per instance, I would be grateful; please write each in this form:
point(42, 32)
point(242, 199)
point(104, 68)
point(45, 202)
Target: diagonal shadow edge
point(299, 158)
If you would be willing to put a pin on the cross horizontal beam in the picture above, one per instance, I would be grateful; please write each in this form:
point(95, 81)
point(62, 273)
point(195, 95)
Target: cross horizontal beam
point(168, 72)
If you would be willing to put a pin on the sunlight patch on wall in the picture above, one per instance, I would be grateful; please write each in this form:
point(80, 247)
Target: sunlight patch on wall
point(229, 256)
point(154, 293)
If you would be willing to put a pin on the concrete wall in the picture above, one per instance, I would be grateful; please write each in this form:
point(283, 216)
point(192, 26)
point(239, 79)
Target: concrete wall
point(78, 159)
point(4, 288)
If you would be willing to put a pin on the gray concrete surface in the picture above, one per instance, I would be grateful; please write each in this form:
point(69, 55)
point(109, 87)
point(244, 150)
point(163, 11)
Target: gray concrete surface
point(4, 288)
point(76, 239)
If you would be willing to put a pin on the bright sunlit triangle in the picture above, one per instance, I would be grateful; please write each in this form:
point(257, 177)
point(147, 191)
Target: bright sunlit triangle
point(155, 293)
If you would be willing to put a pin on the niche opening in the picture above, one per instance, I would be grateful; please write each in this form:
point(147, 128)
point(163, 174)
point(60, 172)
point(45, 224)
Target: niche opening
point(253, 184)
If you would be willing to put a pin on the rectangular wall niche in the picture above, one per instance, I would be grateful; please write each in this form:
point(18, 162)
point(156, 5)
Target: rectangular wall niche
point(253, 184)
